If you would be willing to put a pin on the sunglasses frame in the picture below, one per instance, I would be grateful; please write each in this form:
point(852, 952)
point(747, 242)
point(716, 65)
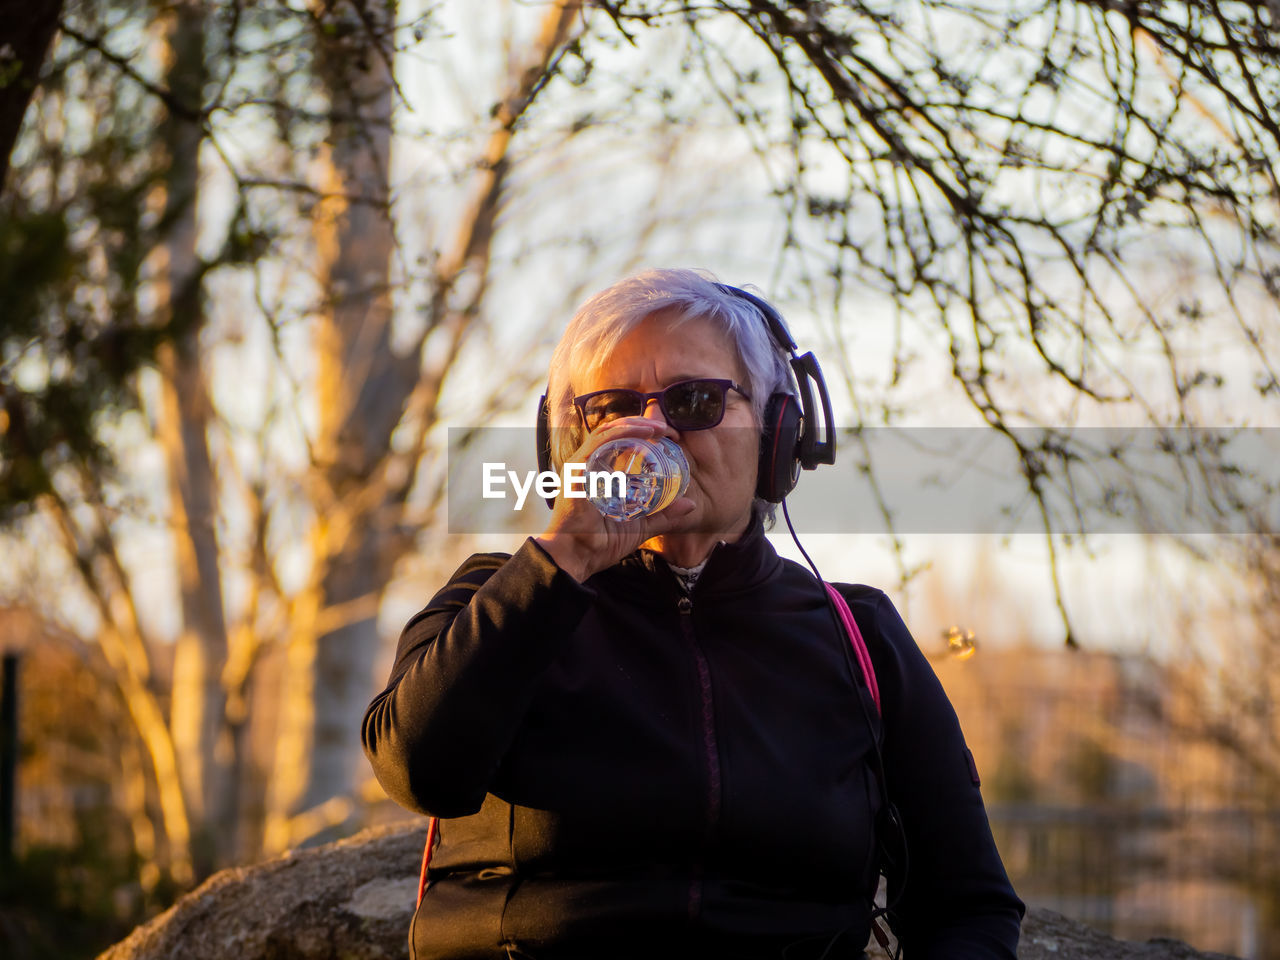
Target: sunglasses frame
point(725, 386)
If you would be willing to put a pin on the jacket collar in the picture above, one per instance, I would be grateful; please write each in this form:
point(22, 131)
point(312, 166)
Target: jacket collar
point(745, 563)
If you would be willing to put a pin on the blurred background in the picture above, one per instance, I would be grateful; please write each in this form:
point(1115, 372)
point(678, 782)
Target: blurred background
point(257, 260)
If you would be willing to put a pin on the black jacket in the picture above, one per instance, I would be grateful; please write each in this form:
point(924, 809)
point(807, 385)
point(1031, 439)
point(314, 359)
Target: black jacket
point(627, 771)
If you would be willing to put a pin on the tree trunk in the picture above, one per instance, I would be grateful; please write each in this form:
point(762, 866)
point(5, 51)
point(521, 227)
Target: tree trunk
point(365, 390)
point(197, 714)
point(361, 387)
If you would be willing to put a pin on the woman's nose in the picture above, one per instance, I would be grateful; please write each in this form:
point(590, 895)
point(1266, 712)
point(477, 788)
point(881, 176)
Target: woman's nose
point(653, 410)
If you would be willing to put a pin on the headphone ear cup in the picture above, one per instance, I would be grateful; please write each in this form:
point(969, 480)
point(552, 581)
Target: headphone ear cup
point(779, 441)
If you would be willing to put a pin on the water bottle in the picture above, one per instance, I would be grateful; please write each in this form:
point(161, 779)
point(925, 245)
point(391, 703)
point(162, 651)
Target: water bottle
point(656, 474)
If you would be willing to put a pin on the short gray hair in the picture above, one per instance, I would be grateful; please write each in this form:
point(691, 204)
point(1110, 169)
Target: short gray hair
point(604, 320)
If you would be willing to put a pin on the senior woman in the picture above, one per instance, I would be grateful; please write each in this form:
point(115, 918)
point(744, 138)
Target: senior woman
point(643, 738)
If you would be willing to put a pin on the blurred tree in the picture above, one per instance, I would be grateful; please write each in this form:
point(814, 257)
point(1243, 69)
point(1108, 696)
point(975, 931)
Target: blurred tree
point(1071, 201)
point(183, 156)
point(1071, 206)
point(184, 417)
point(1222, 698)
point(24, 42)
point(79, 333)
point(74, 886)
point(360, 481)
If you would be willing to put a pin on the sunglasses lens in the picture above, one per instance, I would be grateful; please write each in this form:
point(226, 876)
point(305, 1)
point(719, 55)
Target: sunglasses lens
point(691, 405)
point(610, 405)
point(694, 405)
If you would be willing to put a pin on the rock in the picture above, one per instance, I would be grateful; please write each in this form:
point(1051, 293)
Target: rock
point(353, 900)
point(1051, 936)
point(350, 900)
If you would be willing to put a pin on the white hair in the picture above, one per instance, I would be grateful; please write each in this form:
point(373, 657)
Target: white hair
point(603, 321)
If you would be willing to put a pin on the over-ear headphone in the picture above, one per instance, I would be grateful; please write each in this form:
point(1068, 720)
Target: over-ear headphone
point(789, 438)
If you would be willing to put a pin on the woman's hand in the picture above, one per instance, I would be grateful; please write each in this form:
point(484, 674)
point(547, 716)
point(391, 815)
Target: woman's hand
point(580, 539)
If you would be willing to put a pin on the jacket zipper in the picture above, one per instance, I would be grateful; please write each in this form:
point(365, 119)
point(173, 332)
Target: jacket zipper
point(711, 749)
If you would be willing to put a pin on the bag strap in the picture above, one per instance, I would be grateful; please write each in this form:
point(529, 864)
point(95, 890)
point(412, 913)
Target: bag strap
point(855, 640)
point(863, 656)
point(859, 651)
point(433, 826)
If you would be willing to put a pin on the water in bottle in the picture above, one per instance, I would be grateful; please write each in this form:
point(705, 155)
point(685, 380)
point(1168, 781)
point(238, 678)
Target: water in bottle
point(656, 474)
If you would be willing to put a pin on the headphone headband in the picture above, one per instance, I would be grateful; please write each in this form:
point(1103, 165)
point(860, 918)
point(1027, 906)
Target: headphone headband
point(772, 319)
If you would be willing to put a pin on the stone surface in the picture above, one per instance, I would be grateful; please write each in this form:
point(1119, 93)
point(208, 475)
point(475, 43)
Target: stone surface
point(1051, 936)
point(350, 900)
point(353, 900)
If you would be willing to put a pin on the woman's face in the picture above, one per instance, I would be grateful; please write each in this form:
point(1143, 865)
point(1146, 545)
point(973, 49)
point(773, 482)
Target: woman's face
point(724, 459)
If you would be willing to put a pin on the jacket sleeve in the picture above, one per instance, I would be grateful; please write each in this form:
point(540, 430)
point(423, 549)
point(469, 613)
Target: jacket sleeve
point(466, 669)
point(954, 898)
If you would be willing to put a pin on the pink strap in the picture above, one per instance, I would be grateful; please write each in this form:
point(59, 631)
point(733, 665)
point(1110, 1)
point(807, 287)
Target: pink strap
point(856, 641)
point(432, 826)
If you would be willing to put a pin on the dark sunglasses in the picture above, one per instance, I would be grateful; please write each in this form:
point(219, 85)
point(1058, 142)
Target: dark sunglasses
point(687, 405)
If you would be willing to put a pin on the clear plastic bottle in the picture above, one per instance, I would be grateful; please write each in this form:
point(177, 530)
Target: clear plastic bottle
point(656, 471)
